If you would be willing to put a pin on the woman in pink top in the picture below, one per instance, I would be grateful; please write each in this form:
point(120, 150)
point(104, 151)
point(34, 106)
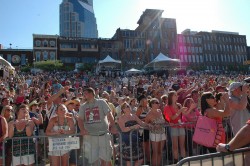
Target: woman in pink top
point(190, 117)
point(172, 113)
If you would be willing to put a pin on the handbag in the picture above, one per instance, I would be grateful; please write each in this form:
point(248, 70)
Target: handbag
point(208, 132)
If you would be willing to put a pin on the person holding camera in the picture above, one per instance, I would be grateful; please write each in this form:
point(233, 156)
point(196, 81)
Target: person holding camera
point(238, 103)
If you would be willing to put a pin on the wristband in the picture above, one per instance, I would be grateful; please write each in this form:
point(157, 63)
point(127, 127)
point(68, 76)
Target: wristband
point(227, 147)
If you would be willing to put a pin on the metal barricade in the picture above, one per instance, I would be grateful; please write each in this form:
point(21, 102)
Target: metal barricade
point(142, 142)
point(38, 150)
point(189, 147)
point(235, 158)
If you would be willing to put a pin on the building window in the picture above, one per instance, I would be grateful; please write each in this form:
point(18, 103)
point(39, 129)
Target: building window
point(189, 58)
point(201, 58)
point(9, 58)
point(45, 55)
point(200, 49)
point(193, 57)
point(38, 56)
point(52, 43)
point(185, 49)
point(173, 35)
point(195, 40)
point(152, 45)
point(191, 40)
point(181, 50)
point(185, 57)
point(45, 43)
point(52, 55)
point(199, 40)
point(197, 58)
point(23, 59)
point(38, 43)
point(159, 45)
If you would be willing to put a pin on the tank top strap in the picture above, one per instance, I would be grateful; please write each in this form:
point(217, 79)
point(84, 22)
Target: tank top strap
point(65, 122)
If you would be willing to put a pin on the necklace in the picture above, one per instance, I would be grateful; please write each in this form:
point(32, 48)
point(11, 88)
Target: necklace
point(91, 107)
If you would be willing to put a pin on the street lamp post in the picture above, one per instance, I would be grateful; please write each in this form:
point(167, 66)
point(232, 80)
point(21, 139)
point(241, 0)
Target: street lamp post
point(34, 60)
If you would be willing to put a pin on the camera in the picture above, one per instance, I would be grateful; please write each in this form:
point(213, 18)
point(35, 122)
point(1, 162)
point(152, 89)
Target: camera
point(71, 90)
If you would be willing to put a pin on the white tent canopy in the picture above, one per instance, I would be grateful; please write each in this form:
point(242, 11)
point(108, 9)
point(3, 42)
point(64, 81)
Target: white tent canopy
point(108, 59)
point(108, 64)
point(133, 71)
point(162, 61)
point(6, 63)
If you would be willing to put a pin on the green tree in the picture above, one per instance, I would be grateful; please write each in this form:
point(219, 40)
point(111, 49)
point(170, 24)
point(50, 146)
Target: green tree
point(86, 67)
point(25, 68)
point(49, 65)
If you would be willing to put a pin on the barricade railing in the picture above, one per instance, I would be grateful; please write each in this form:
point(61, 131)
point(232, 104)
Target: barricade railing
point(238, 157)
point(139, 145)
point(37, 149)
point(189, 147)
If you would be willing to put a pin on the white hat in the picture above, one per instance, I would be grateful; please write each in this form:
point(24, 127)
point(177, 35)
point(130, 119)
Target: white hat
point(234, 85)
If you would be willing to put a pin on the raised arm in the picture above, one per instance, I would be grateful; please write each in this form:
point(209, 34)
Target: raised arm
point(4, 129)
point(213, 112)
point(55, 96)
point(241, 139)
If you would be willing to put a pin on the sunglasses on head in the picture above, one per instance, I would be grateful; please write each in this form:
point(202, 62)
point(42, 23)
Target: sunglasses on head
point(211, 97)
point(127, 106)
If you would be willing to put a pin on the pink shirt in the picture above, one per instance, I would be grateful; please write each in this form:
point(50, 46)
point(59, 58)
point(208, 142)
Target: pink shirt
point(191, 117)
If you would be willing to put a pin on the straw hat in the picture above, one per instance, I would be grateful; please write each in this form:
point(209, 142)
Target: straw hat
point(34, 102)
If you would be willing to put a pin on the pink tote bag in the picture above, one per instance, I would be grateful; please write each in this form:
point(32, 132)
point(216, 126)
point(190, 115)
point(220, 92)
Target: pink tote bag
point(205, 131)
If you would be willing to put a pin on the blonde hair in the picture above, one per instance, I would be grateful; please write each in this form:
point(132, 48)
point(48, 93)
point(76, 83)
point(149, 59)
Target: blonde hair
point(4, 110)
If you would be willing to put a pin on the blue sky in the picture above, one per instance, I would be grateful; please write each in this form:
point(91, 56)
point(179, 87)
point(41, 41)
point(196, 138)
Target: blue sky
point(19, 19)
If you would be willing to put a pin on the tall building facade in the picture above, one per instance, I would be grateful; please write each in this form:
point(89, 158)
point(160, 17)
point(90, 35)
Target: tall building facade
point(153, 35)
point(77, 19)
point(216, 50)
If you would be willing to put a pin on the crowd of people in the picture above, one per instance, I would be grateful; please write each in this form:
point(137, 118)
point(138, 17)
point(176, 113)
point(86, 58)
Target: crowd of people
point(148, 114)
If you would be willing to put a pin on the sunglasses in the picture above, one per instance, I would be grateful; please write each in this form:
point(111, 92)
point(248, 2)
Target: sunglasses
point(127, 106)
point(155, 103)
point(10, 110)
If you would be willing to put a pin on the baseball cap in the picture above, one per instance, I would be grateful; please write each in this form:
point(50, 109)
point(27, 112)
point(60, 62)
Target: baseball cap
point(234, 85)
point(247, 80)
